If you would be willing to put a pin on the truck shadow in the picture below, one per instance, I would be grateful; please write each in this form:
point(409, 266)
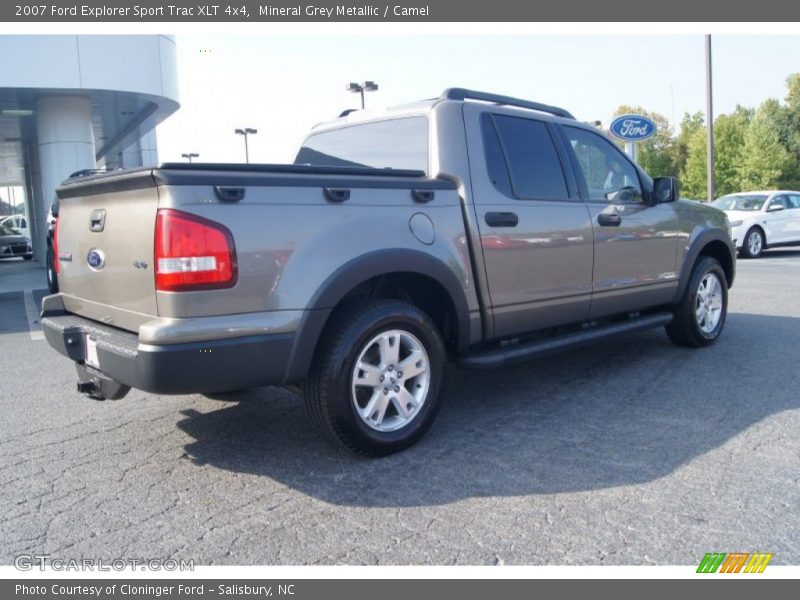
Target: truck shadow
point(626, 412)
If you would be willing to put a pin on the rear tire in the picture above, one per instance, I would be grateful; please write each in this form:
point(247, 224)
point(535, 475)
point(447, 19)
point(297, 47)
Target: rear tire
point(357, 391)
point(753, 243)
point(700, 316)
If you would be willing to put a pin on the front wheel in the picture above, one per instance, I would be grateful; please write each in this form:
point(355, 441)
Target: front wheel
point(700, 316)
point(753, 244)
point(375, 382)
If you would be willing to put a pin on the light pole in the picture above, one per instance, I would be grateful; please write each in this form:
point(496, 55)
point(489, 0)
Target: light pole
point(360, 88)
point(245, 132)
point(710, 192)
point(190, 155)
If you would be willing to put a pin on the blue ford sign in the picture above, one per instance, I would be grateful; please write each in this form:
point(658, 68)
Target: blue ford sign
point(96, 259)
point(632, 128)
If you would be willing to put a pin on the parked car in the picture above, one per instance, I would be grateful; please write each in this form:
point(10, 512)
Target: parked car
point(50, 260)
point(13, 245)
point(473, 227)
point(761, 220)
point(17, 222)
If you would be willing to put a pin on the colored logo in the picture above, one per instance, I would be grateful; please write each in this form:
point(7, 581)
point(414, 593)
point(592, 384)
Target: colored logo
point(96, 259)
point(735, 562)
point(632, 128)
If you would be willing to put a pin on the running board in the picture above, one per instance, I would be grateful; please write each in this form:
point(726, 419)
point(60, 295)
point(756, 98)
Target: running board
point(512, 354)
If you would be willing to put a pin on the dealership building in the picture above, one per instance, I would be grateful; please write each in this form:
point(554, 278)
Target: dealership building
point(75, 102)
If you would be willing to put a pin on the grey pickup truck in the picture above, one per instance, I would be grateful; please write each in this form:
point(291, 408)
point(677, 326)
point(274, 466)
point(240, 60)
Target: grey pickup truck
point(473, 228)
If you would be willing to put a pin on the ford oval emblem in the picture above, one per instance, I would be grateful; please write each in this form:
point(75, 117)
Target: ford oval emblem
point(96, 259)
point(633, 128)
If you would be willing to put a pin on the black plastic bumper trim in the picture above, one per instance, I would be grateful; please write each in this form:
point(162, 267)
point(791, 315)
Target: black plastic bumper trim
point(214, 366)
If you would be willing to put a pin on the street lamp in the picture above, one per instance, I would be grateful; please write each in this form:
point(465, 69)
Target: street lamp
point(190, 155)
point(360, 88)
point(710, 192)
point(245, 132)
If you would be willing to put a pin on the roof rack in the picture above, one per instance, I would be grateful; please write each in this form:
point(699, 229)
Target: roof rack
point(464, 94)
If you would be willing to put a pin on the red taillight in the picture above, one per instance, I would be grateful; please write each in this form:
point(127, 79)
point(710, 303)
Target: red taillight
point(56, 261)
point(192, 253)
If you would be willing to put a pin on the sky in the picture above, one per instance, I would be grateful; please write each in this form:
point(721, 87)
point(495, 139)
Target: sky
point(284, 84)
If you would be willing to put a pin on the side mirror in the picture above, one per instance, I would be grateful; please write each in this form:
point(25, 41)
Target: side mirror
point(54, 209)
point(665, 189)
point(775, 207)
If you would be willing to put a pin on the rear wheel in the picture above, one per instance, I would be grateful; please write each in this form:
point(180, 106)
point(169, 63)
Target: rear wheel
point(753, 244)
point(375, 382)
point(700, 316)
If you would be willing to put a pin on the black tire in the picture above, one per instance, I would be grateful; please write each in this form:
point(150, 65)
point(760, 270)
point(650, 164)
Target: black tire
point(28, 257)
point(746, 252)
point(684, 330)
point(329, 398)
point(52, 277)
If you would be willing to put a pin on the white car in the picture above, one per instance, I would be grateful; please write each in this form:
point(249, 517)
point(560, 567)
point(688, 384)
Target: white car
point(761, 220)
point(18, 222)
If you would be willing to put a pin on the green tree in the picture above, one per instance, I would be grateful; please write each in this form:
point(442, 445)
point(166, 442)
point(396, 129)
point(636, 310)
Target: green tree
point(689, 125)
point(729, 137)
point(656, 154)
point(765, 160)
point(693, 176)
point(792, 141)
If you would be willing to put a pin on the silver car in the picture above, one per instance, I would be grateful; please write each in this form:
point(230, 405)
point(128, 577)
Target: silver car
point(13, 244)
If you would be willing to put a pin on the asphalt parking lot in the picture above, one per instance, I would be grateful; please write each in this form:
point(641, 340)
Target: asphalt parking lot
point(634, 452)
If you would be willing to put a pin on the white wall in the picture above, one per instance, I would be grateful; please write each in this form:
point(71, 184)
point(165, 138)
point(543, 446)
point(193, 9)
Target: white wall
point(144, 64)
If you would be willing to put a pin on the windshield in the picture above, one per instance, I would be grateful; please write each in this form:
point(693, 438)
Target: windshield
point(394, 144)
point(6, 230)
point(740, 202)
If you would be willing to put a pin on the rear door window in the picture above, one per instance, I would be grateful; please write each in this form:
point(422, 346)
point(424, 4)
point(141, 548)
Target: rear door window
point(495, 160)
point(534, 167)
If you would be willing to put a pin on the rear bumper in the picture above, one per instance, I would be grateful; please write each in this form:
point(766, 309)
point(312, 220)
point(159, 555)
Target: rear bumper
point(182, 368)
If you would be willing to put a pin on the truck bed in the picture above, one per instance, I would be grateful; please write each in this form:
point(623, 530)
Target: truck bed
point(292, 226)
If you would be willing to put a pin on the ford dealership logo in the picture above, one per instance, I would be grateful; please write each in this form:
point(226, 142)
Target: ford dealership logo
point(96, 259)
point(632, 128)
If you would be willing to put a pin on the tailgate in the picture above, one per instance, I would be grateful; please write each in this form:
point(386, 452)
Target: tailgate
point(105, 247)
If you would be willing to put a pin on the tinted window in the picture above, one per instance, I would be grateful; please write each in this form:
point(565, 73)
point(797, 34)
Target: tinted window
point(780, 201)
point(606, 172)
point(532, 158)
point(394, 144)
point(740, 202)
point(495, 161)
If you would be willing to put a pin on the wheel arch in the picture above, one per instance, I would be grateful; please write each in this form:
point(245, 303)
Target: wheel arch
point(713, 243)
point(763, 234)
point(355, 279)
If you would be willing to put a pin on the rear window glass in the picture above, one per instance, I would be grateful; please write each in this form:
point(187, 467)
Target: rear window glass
point(394, 144)
point(532, 158)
